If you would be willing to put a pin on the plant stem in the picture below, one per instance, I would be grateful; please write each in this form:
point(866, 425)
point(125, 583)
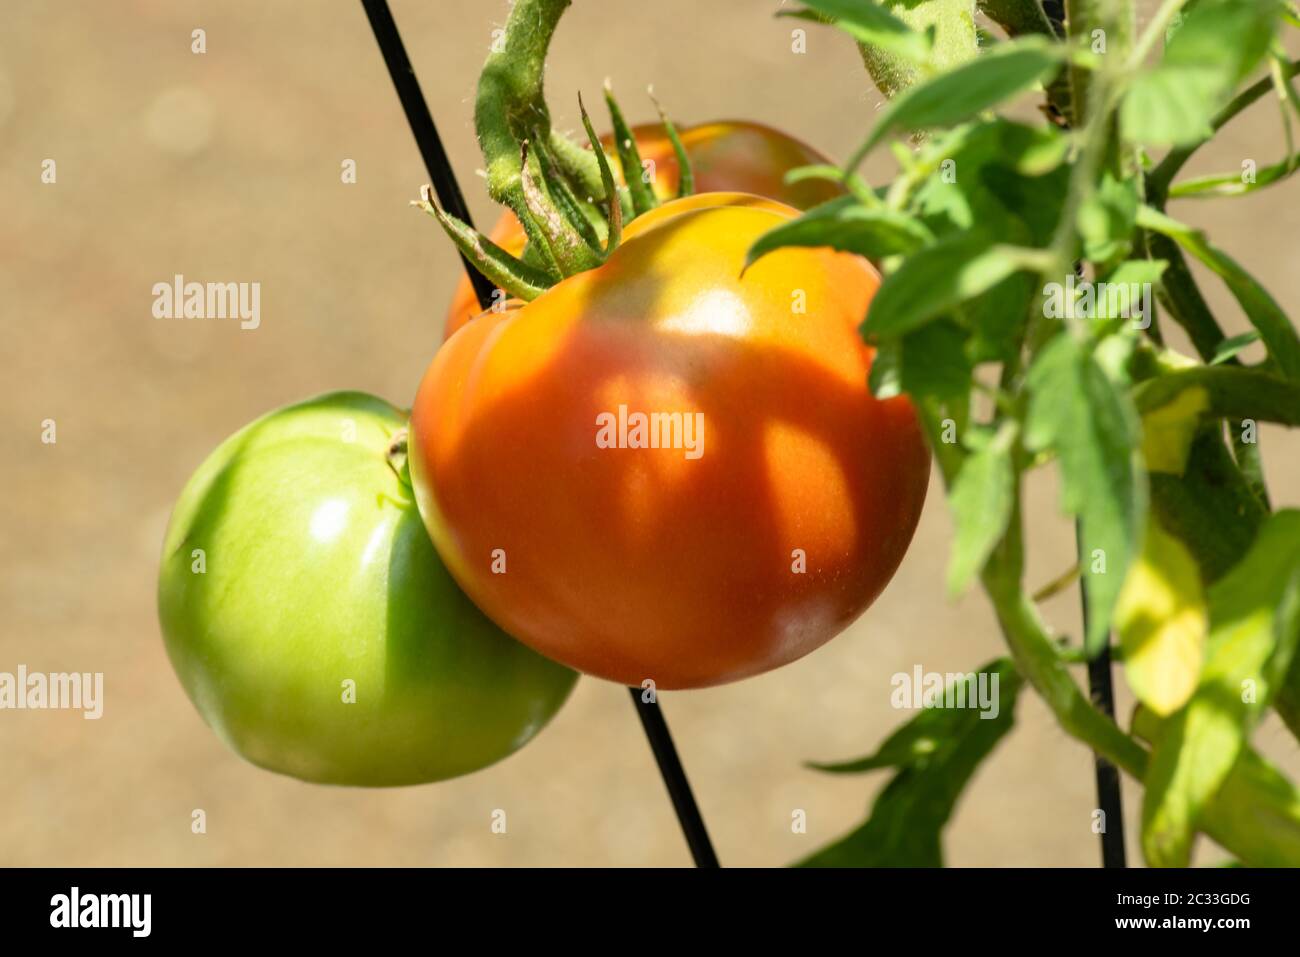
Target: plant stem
point(510, 106)
point(1154, 32)
point(1160, 178)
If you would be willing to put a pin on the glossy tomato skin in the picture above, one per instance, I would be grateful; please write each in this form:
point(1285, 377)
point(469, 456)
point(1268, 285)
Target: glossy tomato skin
point(652, 563)
point(295, 562)
point(726, 156)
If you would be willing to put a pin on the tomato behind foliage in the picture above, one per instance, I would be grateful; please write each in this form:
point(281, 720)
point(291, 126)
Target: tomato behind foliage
point(726, 156)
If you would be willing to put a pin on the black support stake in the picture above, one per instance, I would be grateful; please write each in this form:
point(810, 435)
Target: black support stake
point(427, 139)
point(1100, 688)
point(450, 198)
point(674, 775)
point(1102, 693)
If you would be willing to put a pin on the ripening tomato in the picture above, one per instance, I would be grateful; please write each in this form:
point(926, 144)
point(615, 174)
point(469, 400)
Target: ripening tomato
point(726, 156)
point(664, 469)
point(312, 624)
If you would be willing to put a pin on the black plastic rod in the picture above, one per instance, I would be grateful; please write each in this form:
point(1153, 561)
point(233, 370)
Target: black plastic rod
point(674, 775)
point(445, 187)
point(1102, 693)
point(443, 180)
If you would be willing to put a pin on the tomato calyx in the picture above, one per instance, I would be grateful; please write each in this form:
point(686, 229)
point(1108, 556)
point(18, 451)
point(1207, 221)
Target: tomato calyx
point(565, 196)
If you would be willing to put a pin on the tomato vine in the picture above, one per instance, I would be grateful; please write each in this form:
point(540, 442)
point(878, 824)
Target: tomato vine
point(1181, 554)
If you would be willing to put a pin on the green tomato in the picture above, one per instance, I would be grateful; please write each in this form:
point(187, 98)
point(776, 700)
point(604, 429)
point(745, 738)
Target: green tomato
point(312, 623)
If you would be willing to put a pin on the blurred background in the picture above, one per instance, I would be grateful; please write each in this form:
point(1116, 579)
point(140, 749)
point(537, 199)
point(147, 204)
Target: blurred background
point(226, 165)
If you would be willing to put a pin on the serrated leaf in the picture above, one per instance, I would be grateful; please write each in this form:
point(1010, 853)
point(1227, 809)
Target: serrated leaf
point(846, 225)
point(1215, 47)
point(940, 277)
point(869, 22)
point(1076, 411)
point(1254, 627)
point(1002, 177)
point(928, 362)
point(937, 752)
point(1162, 622)
point(957, 95)
point(981, 500)
point(1273, 325)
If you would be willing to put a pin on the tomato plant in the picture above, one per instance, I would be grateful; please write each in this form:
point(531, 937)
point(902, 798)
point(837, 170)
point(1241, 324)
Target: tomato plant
point(311, 622)
point(1046, 277)
point(1035, 289)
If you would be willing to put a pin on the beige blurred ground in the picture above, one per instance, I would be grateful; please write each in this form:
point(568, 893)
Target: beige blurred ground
point(226, 165)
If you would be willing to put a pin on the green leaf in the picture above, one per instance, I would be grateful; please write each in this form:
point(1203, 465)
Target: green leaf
point(1162, 622)
point(927, 362)
point(1168, 431)
point(1076, 411)
point(937, 752)
point(957, 95)
point(869, 22)
point(1106, 219)
point(1265, 314)
point(1125, 293)
point(981, 500)
point(1256, 813)
point(1254, 628)
point(845, 224)
point(1228, 348)
point(1004, 177)
point(1216, 46)
point(939, 277)
point(1211, 493)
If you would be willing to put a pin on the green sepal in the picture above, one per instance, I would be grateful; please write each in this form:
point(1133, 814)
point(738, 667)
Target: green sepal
point(570, 205)
point(641, 192)
point(614, 216)
point(685, 175)
point(516, 277)
point(566, 245)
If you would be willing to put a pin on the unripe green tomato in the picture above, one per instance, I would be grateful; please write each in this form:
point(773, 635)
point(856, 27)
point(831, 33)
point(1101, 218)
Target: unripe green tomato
point(312, 623)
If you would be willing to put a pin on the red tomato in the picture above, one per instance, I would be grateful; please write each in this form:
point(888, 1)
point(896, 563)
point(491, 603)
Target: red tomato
point(776, 506)
point(726, 155)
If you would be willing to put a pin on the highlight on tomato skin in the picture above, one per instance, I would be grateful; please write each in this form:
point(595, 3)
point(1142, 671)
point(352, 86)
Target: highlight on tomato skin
point(775, 516)
point(726, 155)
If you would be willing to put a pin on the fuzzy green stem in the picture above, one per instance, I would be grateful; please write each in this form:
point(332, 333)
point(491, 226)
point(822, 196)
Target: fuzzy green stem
point(510, 106)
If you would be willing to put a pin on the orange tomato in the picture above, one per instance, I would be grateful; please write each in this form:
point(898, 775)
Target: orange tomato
point(725, 155)
point(761, 504)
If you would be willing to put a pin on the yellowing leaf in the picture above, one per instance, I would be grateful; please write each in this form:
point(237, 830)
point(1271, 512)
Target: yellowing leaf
point(1162, 622)
point(1167, 432)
